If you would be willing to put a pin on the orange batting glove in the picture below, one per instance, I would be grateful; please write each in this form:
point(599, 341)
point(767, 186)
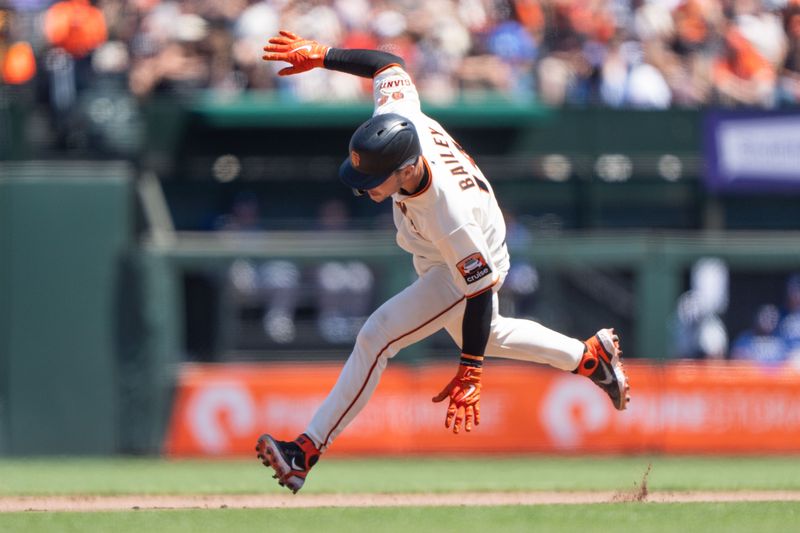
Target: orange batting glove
point(303, 54)
point(464, 392)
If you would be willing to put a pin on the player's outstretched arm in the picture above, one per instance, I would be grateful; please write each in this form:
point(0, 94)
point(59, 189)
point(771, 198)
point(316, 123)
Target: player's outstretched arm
point(305, 54)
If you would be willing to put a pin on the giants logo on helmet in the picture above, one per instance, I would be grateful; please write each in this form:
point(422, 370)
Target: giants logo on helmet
point(473, 267)
point(355, 159)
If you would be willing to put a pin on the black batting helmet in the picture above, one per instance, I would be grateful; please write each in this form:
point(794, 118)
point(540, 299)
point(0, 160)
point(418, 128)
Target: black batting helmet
point(378, 147)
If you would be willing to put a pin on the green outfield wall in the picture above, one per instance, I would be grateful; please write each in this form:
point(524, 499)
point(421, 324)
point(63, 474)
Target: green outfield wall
point(64, 229)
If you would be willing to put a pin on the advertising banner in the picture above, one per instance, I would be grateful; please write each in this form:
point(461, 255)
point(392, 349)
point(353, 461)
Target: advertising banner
point(220, 410)
point(753, 151)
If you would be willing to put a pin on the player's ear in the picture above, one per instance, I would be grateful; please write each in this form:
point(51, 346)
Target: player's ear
point(412, 168)
point(408, 172)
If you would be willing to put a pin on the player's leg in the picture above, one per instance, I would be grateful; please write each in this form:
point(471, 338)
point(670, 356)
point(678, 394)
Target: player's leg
point(598, 358)
point(525, 340)
point(415, 313)
point(412, 315)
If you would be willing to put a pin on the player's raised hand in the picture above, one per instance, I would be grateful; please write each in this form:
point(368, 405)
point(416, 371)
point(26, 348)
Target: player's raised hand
point(303, 54)
point(464, 391)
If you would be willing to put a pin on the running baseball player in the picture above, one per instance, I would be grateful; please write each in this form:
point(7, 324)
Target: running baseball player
point(447, 217)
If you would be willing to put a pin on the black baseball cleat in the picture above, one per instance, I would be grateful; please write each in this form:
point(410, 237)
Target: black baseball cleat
point(291, 461)
point(601, 363)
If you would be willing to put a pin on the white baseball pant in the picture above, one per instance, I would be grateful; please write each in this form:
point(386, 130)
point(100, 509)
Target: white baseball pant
point(429, 304)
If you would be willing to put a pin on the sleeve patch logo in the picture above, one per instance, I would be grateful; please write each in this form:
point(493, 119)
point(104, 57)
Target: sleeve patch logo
point(473, 268)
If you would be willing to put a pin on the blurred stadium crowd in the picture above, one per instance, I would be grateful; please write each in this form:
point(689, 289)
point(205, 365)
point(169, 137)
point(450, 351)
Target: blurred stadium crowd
point(619, 53)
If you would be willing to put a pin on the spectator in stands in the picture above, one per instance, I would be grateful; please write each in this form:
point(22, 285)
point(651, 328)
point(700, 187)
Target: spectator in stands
point(513, 50)
point(762, 344)
point(742, 75)
point(75, 26)
point(258, 19)
point(699, 332)
point(790, 71)
point(73, 29)
point(175, 62)
point(17, 62)
point(696, 24)
point(789, 326)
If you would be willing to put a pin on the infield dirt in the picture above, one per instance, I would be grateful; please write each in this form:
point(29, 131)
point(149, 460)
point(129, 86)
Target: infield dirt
point(278, 501)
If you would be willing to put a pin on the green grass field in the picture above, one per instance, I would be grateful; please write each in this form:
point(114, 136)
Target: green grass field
point(412, 475)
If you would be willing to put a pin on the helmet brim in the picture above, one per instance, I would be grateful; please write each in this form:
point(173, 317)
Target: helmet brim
point(359, 180)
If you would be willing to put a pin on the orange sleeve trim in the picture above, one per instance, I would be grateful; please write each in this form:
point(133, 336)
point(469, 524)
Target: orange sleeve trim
point(474, 294)
point(390, 65)
point(472, 357)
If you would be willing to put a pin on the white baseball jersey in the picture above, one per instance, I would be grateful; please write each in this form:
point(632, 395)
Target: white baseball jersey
point(455, 219)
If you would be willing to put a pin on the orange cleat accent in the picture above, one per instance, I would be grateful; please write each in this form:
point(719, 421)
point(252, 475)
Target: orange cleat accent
point(602, 364)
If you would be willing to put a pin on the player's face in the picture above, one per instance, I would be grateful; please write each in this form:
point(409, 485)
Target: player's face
point(385, 189)
point(402, 178)
point(392, 184)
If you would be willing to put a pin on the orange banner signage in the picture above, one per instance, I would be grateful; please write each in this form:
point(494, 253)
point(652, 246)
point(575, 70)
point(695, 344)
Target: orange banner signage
point(678, 408)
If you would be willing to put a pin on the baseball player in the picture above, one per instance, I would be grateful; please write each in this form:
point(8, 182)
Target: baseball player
point(447, 217)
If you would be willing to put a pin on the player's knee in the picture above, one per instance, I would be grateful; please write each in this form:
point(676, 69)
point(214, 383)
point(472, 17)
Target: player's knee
point(372, 335)
point(375, 336)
